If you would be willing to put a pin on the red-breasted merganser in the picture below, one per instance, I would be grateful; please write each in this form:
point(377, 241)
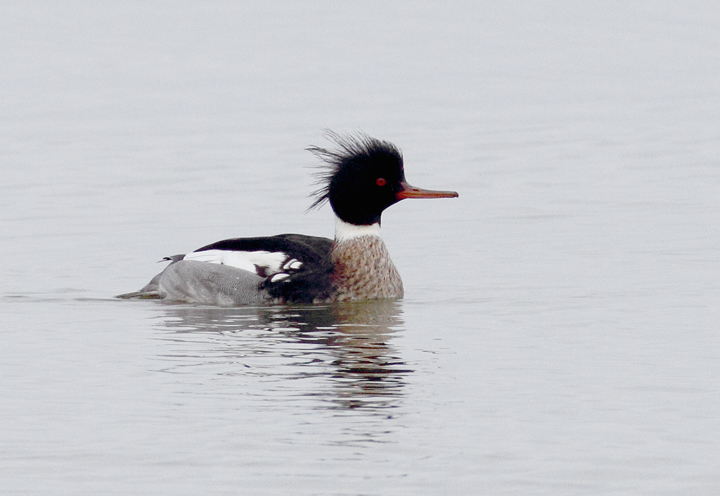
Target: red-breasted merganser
point(363, 177)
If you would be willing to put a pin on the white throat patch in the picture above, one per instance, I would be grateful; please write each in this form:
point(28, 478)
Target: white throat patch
point(345, 231)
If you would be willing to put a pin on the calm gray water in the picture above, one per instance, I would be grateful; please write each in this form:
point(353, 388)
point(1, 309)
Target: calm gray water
point(560, 330)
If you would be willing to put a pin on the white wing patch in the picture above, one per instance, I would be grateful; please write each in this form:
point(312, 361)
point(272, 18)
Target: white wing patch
point(246, 260)
point(265, 263)
point(292, 264)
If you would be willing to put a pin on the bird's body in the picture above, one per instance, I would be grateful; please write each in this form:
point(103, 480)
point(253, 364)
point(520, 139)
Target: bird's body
point(364, 177)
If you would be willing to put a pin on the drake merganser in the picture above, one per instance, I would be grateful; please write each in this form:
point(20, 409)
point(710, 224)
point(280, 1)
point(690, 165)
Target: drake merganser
point(363, 176)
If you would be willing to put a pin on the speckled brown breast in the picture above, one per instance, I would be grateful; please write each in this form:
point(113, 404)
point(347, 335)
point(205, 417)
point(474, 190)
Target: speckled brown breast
point(363, 270)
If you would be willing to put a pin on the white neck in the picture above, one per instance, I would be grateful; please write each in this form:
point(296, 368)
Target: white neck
point(345, 231)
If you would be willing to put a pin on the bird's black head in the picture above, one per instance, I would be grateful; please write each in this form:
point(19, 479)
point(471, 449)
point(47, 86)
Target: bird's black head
point(362, 179)
point(364, 176)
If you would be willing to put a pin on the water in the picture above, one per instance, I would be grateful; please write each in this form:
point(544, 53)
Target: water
point(559, 333)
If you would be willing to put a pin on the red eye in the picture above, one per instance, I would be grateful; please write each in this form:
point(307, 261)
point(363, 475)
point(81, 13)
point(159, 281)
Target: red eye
point(380, 181)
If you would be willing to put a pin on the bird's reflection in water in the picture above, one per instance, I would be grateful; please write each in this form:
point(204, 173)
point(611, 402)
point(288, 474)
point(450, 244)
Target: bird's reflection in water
point(346, 346)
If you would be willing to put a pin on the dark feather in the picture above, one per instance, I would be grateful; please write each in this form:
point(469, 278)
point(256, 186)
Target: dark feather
point(350, 148)
point(308, 284)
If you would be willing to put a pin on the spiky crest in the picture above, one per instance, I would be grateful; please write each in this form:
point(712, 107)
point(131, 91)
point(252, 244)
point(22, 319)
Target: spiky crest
point(350, 147)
